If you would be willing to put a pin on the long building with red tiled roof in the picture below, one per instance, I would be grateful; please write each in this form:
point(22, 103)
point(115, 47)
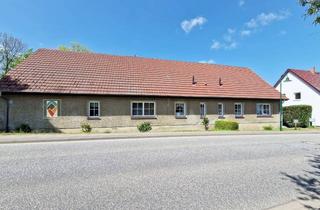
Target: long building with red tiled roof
point(58, 89)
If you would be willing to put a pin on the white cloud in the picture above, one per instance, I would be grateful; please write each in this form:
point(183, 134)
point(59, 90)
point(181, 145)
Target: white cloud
point(231, 30)
point(188, 25)
point(241, 3)
point(230, 39)
point(265, 19)
point(252, 23)
point(227, 45)
point(228, 42)
point(216, 45)
point(231, 45)
point(245, 33)
point(210, 61)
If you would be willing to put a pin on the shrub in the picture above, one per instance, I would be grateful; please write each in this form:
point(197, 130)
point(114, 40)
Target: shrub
point(144, 127)
point(226, 125)
point(300, 112)
point(85, 127)
point(268, 128)
point(205, 122)
point(24, 128)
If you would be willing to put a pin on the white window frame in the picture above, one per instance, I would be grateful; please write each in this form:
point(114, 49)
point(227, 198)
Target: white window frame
point(205, 110)
point(143, 115)
point(263, 114)
point(99, 108)
point(222, 105)
point(242, 109)
point(184, 110)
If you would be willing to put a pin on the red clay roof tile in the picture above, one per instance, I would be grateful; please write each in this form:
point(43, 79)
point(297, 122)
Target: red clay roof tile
point(54, 71)
point(311, 78)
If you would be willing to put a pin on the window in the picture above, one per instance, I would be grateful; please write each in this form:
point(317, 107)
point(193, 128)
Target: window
point(143, 109)
point(137, 109)
point(238, 109)
point(203, 110)
point(149, 109)
point(220, 110)
point(263, 109)
point(180, 109)
point(94, 109)
point(297, 96)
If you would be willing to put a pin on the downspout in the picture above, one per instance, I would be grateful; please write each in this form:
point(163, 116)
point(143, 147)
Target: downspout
point(7, 111)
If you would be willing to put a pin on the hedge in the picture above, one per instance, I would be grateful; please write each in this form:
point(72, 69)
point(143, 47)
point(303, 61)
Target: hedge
point(226, 125)
point(302, 113)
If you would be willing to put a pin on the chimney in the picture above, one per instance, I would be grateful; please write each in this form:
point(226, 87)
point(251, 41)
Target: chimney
point(220, 81)
point(193, 80)
point(313, 70)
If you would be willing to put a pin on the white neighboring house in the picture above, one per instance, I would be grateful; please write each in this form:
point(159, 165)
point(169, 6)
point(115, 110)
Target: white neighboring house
point(303, 88)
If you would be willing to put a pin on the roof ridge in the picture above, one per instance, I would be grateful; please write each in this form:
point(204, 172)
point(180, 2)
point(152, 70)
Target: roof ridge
point(147, 58)
point(294, 69)
point(303, 70)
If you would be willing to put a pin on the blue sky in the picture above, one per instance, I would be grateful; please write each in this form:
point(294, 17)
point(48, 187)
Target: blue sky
point(268, 36)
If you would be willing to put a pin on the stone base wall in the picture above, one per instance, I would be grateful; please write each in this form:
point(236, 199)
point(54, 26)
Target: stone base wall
point(2, 114)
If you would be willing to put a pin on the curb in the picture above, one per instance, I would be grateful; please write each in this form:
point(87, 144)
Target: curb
point(105, 137)
point(290, 205)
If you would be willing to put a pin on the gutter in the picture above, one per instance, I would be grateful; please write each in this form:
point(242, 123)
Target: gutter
point(7, 111)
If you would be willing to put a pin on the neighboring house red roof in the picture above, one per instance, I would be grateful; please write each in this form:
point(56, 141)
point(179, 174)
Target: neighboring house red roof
point(53, 71)
point(312, 78)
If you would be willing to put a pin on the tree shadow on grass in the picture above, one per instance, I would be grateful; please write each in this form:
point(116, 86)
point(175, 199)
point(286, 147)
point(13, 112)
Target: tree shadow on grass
point(308, 184)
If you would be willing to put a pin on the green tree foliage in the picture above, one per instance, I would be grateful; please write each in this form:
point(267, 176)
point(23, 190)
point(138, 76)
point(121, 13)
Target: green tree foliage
point(21, 58)
point(302, 113)
point(313, 9)
point(74, 47)
point(11, 49)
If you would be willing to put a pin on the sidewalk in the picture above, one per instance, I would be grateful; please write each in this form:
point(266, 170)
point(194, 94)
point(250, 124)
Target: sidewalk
point(295, 205)
point(58, 137)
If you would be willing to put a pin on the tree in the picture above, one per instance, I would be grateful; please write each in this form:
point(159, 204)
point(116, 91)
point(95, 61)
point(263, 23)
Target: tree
point(74, 47)
point(11, 49)
point(313, 9)
point(21, 58)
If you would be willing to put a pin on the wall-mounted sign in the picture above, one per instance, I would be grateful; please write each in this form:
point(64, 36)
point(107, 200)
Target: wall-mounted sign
point(52, 108)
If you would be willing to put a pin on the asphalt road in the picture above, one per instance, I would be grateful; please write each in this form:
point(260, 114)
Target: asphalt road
point(221, 172)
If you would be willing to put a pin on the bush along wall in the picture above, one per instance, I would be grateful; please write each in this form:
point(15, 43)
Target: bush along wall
point(302, 113)
point(226, 125)
point(144, 127)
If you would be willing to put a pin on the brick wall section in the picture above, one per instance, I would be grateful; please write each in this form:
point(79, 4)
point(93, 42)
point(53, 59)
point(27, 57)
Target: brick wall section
point(115, 111)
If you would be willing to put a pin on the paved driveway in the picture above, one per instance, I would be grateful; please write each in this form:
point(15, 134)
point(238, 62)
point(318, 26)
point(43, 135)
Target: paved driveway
point(226, 172)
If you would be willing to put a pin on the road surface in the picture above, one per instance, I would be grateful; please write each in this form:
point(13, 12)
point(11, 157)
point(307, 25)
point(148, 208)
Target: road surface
point(219, 172)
